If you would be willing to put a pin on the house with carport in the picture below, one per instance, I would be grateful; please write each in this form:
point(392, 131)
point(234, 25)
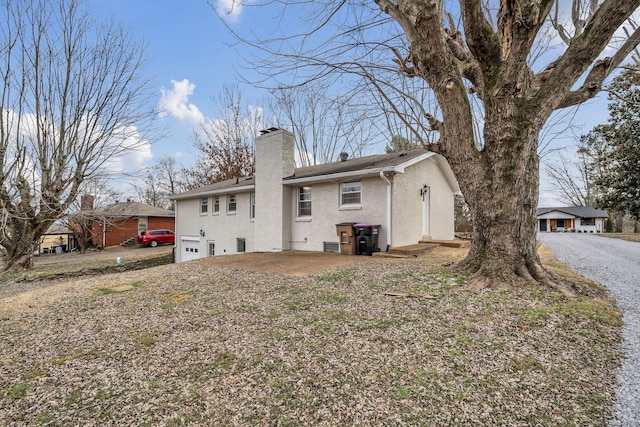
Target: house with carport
point(406, 197)
point(571, 218)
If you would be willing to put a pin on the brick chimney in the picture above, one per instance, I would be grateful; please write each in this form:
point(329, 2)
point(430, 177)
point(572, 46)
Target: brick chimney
point(86, 202)
point(274, 161)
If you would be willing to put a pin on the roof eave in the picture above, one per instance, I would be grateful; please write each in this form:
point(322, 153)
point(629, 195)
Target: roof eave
point(359, 172)
point(225, 190)
point(340, 176)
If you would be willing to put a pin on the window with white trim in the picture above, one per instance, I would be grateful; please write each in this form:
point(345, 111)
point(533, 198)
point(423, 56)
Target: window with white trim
point(252, 205)
point(216, 204)
point(304, 201)
point(231, 203)
point(350, 193)
point(204, 205)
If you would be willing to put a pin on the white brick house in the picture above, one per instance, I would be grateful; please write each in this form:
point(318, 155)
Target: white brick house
point(410, 195)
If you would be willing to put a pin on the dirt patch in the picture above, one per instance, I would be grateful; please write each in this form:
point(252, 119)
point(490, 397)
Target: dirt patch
point(306, 263)
point(287, 263)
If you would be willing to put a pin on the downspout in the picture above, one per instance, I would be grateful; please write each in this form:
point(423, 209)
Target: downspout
point(388, 227)
point(177, 243)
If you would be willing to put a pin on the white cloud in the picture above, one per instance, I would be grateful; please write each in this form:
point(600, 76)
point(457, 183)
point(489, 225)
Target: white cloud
point(175, 102)
point(134, 151)
point(229, 9)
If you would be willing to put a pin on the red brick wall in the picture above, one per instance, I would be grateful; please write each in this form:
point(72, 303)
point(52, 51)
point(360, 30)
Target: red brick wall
point(117, 232)
point(120, 231)
point(156, 222)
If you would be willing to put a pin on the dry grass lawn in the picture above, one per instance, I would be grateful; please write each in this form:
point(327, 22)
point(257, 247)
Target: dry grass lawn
point(207, 344)
point(631, 237)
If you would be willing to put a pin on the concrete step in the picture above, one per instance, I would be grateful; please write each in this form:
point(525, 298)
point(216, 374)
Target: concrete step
point(411, 250)
point(406, 251)
point(130, 242)
point(458, 243)
point(388, 255)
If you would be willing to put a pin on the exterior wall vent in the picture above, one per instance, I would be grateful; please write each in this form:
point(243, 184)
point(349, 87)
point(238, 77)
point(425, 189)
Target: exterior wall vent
point(331, 247)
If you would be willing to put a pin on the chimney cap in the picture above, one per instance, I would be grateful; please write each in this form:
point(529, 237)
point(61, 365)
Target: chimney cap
point(344, 156)
point(266, 131)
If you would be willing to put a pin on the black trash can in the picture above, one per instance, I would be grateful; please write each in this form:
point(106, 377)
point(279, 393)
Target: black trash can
point(367, 238)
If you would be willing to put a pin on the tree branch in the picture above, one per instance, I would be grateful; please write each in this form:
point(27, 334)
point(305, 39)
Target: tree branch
point(481, 39)
point(591, 86)
point(582, 52)
point(392, 9)
point(405, 69)
point(519, 22)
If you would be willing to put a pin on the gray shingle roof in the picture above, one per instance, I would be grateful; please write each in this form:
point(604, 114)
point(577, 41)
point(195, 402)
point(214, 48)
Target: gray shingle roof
point(366, 165)
point(227, 186)
point(58, 229)
point(577, 211)
point(375, 161)
point(132, 209)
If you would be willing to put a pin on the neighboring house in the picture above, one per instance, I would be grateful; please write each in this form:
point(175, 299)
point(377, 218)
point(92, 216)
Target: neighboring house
point(410, 195)
point(121, 223)
point(57, 235)
point(571, 218)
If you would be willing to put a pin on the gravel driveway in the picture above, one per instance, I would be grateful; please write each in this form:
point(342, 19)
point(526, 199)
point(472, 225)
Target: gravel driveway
point(615, 264)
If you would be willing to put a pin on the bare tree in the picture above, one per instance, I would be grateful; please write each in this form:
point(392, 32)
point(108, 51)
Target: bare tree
point(159, 182)
point(324, 125)
point(80, 219)
point(148, 189)
point(227, 142)
point(169, 171)
point(478, 63)
point(72, 97)
point(572, 179)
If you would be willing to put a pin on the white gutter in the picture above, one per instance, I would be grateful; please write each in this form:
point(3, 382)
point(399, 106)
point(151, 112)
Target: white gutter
point(386, 180)
point(226, 190)
point(338, 176)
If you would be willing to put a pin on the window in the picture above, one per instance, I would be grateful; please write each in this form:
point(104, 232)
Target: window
point(304, 201)
point(204, 205)
point(241, 245)
point(350, 193)
point(252, 207)
point(231, 203)
point(212, 248)
point(587, 221)
point(216, 204)
point(560, 223)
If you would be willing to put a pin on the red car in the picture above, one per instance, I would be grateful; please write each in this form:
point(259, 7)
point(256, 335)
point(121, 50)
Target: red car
point(154, 238)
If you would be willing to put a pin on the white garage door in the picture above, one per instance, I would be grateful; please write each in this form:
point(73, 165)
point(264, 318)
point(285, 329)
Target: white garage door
point(189, 247)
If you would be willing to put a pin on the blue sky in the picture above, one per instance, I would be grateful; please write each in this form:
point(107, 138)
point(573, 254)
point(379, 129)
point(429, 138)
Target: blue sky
point(190, 59)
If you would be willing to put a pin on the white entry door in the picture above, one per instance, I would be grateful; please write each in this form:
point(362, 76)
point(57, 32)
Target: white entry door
point(425, 211)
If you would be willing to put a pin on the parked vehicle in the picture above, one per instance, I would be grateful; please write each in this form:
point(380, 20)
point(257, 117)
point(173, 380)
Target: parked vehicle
point(154, 238)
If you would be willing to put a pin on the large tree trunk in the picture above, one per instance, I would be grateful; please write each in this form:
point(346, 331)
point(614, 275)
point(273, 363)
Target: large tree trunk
point(22, 241)
point(502, 193)
point(19, 255)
